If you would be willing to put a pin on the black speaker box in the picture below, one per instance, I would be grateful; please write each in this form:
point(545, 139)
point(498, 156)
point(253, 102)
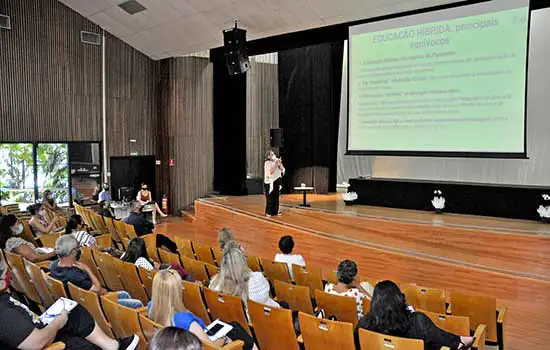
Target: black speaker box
point(236, 57)
point(276, 138)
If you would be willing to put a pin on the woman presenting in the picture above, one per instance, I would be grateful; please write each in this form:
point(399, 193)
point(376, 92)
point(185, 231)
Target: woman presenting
point(144, 197)
point(273, 175)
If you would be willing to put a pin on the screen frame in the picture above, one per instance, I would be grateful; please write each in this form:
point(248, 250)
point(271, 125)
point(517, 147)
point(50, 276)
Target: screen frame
point(444, 154)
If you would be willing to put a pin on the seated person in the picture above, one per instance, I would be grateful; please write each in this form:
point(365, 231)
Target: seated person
point(69, 269)
point(20, 328)
point(104, 195)
point(144, 197)
point(38, 222)
point(137, 255)
point(347, 286)
point(105, 209)
point(389, 314)
point(286, 245)
point(225, 236)
point(173, 338)
point(77, 228)
point(167, 308)
point(236, 278)
point(10, 231)
point(48, 201)
point(143, 227)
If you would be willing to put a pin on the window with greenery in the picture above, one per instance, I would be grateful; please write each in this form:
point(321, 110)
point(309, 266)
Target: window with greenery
point(16, 173)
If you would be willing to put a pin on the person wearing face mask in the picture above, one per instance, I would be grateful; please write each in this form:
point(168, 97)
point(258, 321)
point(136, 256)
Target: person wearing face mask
point(144, 197)
point(273, 179)
point(105, 209)
point(48, 202)
point(77, 228)
point(21, 328)
point(38, 222)
point(104, 195)
point(10, 231)
point(69, 269)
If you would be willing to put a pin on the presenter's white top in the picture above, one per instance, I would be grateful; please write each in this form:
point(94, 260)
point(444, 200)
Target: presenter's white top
point(268, 177)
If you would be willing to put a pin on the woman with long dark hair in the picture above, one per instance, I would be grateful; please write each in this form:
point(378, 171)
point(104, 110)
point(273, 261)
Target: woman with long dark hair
point(39, 222)
point(137, 254)
point(389, 314)
point(76, 227)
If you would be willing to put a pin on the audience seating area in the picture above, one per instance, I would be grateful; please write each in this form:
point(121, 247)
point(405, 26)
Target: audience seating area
point(459, 313)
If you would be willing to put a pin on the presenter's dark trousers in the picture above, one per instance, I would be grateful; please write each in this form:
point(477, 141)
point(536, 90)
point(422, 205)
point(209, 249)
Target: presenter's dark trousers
point(272, 199)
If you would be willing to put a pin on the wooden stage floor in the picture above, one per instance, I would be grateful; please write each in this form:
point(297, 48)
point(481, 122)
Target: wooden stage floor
point(508, 259)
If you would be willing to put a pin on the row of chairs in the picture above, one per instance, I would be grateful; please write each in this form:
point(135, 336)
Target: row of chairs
point(479, 310)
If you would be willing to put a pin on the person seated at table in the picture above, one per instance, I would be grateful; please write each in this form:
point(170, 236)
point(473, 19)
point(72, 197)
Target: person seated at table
point(236, 278)
point(20, 328)
point(105, 209)
point(143, 226)
point(76, 227)
point(286, 245)
point(69, 269)
point(389, 314)
point(167, 308)
point(348, 286)
point(10, 231)
point(144, 197)
point(104, 195)
point(48, 201)
point(38, 222)
point(174, 338)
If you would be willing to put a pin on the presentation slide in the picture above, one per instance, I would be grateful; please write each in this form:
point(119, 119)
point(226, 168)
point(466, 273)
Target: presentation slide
point(449, 81)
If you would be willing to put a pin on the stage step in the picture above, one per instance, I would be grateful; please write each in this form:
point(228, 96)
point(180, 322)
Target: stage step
point(188, 214)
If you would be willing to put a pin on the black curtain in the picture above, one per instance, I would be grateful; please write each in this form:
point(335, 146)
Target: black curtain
point(310, 81)
point(229, 130)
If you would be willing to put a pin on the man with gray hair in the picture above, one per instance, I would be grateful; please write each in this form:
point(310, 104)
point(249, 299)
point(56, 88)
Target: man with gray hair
point(69, 269)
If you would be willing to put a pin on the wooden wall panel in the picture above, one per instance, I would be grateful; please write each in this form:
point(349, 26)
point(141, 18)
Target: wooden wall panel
point(528, 299)
point(262, 112)
point(132, 108)
point(187, 129)
point(49, 80)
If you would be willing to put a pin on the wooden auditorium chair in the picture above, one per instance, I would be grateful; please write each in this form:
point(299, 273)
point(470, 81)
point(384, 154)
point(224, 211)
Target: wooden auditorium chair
point(377, 341)
point(106, 266)
point(193, 300)
point(131, 282)
point(19, 272)
point(48, 240)
point(429, 299)
point(253, 263)
point(109, 223)
point(342, 307)
point(167, 257)
point(88, 259)
point(91, 302)
point(459, 325)
point(204, 253)
point(273, 327)
point(275, 271)
point(130, 230)
point(218, 255)
point(151, 246)
point(297, 297)
point(185, 247)
point(146, 277)
point(121, 228)
point(149, 326)
point(124, 320)
point(482, 310)
point(234, 345)
point(196, 268)
point(56, 288)
point(319, 333)
point(37, 280)
point(309, 277)
point(227, 308)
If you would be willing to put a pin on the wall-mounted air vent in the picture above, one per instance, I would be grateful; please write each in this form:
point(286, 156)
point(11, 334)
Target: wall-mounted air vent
point(132, 7)
point(90, 38)
point(5, 22)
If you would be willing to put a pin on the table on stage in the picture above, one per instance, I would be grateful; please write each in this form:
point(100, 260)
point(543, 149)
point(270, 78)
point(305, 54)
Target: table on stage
point(304, 190)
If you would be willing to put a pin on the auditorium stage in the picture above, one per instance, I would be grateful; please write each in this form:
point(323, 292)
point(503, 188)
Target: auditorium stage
point(508, 259)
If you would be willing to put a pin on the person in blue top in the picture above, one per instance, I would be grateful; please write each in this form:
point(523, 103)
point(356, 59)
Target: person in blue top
point(167, 308)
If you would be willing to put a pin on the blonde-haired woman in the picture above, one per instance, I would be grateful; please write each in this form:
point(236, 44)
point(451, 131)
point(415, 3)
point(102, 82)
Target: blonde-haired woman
point(167, 308)
point(226, 239)
point(236, 278)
